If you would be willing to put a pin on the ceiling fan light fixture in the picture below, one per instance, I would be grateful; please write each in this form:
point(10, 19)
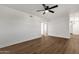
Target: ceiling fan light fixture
point(46, 11)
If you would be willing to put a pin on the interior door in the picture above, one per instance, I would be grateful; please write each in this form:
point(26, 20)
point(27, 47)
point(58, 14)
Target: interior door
point(76, 28)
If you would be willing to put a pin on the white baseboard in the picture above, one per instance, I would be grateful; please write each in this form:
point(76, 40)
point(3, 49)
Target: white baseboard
point(60, 36)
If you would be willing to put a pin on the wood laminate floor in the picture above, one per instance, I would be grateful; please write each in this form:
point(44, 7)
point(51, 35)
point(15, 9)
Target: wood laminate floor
point(45, 45)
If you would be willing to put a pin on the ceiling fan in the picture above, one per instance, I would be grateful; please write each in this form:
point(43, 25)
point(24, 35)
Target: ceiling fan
point(47, 9)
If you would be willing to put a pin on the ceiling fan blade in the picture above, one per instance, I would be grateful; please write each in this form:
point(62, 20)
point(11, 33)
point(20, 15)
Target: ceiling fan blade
point(51, 11)
point(53, 7)
point(43, 5)
point(44, 13)
point(39, 10)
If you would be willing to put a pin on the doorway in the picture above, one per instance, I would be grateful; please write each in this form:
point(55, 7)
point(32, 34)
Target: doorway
point(74, 24)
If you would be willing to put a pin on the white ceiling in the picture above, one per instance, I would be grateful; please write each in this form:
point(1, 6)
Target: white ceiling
point(62, 11)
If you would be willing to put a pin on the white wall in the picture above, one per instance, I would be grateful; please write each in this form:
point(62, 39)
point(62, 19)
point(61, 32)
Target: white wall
point(59, 27)
point(16, 27)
